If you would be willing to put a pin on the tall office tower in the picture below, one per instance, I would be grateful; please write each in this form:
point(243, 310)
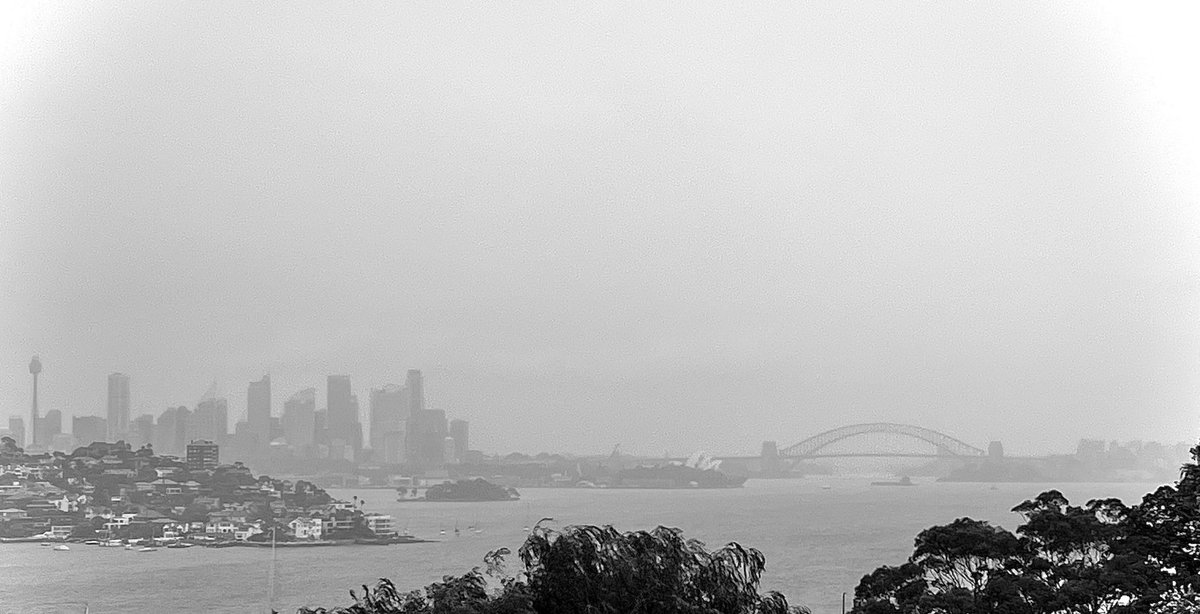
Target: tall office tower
point(16, 426)
point(356, 430)
point(143, 431)
point(63, 442)
point(164, 432)
point(321, 427)
point(89, 429)
point(300, 420)
point(183, 416)
point(210, 421)
point(389, 408)
point(393, 450)
point(426, 434)
point(458, 431)
point(415, 384)
point(48, 426)
point(35, 367)
point(342, 417)
point(258, 413)
point(118, 406)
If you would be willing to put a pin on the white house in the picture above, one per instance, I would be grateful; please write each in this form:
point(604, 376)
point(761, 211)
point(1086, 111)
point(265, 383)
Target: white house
point(306, 528)
point(380, 524)
point(244, 531)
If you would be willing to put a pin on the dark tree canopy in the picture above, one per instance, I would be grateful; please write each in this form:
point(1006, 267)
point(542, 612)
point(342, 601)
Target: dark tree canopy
point(593, 570)
point(1101, 558)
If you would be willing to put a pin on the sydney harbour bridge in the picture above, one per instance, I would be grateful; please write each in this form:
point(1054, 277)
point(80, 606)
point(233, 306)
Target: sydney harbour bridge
point(884, 440)
point(819, 445)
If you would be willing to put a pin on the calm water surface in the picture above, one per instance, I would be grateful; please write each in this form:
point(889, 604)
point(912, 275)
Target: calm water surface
point(818, 543)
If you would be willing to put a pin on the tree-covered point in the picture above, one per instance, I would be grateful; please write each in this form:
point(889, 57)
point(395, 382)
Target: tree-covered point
point(1101, 558)
point(477, 489)
point(586, 570)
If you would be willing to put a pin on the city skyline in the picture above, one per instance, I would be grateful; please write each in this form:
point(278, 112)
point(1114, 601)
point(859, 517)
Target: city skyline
point(365, 416)
point(983, 222)
point(392, 412)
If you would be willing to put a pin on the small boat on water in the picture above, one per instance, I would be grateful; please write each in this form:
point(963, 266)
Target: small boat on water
point(904, 481)
point(92, 542)
point(180, 545)
point(62, 547)
point(147, 549)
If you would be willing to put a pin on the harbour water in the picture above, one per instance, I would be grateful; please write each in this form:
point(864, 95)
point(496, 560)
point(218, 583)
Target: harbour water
point(819, 535)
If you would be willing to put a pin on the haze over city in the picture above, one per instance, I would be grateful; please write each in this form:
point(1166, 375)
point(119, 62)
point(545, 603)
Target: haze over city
point(671, 228)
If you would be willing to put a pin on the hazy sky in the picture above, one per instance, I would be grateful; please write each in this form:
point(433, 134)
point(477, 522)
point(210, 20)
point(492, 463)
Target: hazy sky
point(664, 225)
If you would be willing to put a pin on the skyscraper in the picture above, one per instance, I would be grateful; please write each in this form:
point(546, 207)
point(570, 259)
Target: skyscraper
point(89, 429)
point(258, 413)
point(16, 426)
point(118, 406)
point(143, 431)
point(48, 426)
point(389, 409)
point(166, 433)
point(343, 417)
point(459, 431)
point(300, 420)
point(210, 421)
point(415, 384)
point(35, 367)
point(426, 434)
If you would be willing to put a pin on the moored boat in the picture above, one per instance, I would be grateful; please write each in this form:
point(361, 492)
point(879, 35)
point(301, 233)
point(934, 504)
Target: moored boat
point(904, 481)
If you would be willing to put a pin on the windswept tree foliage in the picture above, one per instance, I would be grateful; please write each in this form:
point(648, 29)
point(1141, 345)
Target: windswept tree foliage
point(1101, 558)
point(592, 570)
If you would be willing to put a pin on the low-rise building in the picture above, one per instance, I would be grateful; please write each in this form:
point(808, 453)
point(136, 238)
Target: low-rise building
point(380, 524)
point(11, 513)
point(244, 531)
point(306, 528)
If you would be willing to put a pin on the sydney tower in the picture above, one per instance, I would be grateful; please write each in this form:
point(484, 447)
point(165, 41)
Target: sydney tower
point(35, 367)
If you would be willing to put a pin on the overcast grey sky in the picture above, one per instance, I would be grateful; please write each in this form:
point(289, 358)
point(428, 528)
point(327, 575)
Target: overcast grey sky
point(672, 226)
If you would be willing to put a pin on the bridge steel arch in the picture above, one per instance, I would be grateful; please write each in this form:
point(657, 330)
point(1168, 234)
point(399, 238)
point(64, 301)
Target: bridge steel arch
point(811, 446)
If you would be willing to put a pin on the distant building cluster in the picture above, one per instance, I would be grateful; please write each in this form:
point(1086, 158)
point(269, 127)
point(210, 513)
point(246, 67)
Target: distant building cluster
point(112, 495)
point(401, 428)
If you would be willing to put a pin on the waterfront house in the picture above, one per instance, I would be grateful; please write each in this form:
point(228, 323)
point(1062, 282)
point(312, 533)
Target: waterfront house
point(380, 524)
point(116, 523)
point(306, 528)
point(244, 531)
point(225, 527)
